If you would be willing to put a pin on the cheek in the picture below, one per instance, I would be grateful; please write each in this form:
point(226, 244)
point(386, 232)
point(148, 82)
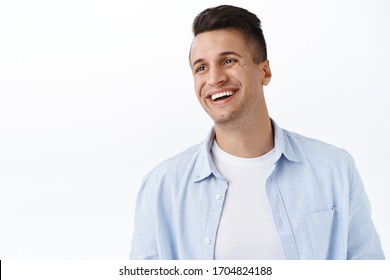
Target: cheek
point(198, 85)
point(249, 80)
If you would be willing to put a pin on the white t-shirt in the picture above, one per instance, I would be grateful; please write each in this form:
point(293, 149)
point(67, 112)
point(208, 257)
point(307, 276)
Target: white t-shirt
point(246, 229)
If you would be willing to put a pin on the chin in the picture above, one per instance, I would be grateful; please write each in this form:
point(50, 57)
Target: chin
point(226, 120)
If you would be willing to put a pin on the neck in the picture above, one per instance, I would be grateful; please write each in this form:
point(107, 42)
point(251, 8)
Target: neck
point(248, 141)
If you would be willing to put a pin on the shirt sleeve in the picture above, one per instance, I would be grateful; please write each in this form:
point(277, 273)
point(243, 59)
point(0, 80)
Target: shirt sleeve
point(363, 239)
point(144, 245)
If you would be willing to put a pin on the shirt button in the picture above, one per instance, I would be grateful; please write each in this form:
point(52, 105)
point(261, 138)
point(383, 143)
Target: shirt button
point(207, 241)
point(218, 196)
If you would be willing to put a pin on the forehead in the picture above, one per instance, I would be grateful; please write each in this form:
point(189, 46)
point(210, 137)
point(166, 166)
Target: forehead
point(210, 44)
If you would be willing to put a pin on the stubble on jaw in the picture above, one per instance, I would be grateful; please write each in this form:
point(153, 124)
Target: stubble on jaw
point(237, 118)
point(231, 120)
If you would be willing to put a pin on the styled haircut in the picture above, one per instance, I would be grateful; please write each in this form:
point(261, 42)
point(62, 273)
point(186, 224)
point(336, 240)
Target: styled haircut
point(226, 16)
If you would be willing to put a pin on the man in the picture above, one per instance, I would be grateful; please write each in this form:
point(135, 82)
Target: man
point(251, 190)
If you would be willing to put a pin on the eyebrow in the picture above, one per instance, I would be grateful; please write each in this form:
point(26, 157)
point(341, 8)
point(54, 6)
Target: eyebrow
point(220, 55)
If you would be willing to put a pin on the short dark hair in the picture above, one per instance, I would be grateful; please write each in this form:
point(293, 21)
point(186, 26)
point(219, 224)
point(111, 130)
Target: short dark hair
point(226, 16)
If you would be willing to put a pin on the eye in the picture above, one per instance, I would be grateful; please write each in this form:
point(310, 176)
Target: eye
point(200, 69)
point(229, 61)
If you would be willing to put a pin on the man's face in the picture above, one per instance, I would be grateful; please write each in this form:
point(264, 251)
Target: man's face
point(228, 84)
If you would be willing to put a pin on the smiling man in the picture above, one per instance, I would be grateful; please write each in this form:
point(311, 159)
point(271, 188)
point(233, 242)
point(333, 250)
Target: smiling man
point(251, 190)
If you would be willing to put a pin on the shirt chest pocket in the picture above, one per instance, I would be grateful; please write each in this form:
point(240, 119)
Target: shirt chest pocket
point(322, 227)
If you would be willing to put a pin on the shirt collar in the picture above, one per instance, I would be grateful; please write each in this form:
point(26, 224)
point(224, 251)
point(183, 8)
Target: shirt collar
point(283, 144)
point(204, 166)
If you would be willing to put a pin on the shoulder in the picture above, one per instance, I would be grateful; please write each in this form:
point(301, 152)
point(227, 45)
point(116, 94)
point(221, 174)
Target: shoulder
point(180, 163)
point(314, 149)
point(329, 166)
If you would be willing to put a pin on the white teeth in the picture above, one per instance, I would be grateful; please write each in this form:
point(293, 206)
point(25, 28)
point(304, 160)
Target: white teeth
point(221, 94)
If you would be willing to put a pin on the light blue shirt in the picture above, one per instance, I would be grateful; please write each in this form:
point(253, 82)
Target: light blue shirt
point(319, 205)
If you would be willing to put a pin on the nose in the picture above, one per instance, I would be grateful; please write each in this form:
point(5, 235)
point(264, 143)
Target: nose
point(216, 76)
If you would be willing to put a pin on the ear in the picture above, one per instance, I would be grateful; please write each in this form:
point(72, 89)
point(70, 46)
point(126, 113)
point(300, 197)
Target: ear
point(266, 73)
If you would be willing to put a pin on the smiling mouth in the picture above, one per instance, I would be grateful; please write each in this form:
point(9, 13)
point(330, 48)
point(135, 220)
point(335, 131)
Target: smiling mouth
point(221, 95)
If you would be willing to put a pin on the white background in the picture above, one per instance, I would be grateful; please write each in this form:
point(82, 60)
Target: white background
point(93, 94)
